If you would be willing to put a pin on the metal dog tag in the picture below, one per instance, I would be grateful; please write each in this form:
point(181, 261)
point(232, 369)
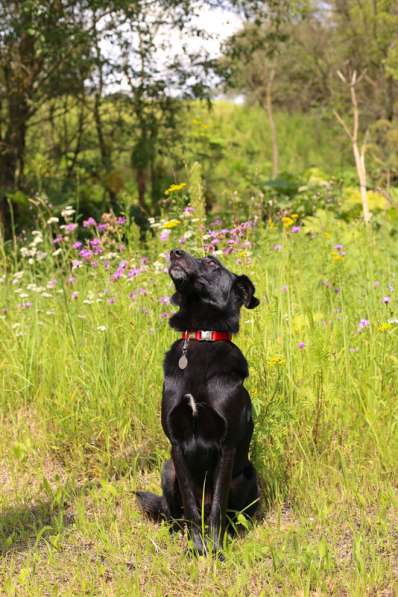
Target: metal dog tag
point(183, 362)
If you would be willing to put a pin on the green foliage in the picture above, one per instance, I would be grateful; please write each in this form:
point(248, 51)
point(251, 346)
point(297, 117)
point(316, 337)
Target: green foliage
point(79, 415)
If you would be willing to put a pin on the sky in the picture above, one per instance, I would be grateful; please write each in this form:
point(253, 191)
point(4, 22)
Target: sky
point(218, 23)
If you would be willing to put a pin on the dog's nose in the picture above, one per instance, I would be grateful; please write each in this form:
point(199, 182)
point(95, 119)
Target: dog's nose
point(176, 253)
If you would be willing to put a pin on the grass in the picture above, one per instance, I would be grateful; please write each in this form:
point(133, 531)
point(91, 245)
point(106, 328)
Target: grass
point(80, 389)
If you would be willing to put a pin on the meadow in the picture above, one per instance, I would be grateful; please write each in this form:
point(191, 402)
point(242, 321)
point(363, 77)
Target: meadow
point(83, 327)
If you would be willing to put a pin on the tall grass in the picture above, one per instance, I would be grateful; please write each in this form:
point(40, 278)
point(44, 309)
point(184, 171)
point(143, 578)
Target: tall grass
point(80, 390)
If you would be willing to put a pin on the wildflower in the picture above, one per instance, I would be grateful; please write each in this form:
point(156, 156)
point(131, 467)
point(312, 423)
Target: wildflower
point(132, 273)
point(58, 240)
point(74, 296)
point(276, 360)
point(175, 188)
point(364, 323)
point(164, 300)
point(336, 256)
point(164, 235)
point(101, 328)
point(67, 212)
point(354, 349)
point(376, 284)
point(165, 315)
point(53, 220)
point(295, 229)
point(102, 227)
point(171, 224)
point(121, 220)
point(391, 288)
point(76, 264)
point(278, 247)
point(386, 300)
point(393, 321)
point(287, 221)
point(56, 252)
point(77, 245)
point(284, 288)
point(26, 305)
point(90, 222)
point(111, 300)
point(52, 283)
point(384, 327)
point(301, 345)
point(339, 247)
point(70, 227)
point(86, 254)
point(188, 210)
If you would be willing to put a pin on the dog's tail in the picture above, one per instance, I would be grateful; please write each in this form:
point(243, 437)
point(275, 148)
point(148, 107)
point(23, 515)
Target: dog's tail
point(154, 506)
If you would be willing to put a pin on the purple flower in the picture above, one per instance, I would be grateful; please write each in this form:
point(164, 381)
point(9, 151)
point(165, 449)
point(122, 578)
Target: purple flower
point(71, 280)
point(52, 283)
point(301, 345)
point(364, 323)
point(121, 220)
point(70, 227)
point(165, 315)
point(132, 296)
point(278, 247)
point(77, 245)
point(188, 210)
point(102, 227)
point(339, 247)
point(26, 305)
point(164, 235)
point(133, 272)
point(391, 288)
point(89, 223)
point(165, 300)
point(58, 240)
point(111, 300)
point(295, 229)
point(86, 254)
point(74, 295)
point(121, 248)
point(76, 264)
point(386, 300)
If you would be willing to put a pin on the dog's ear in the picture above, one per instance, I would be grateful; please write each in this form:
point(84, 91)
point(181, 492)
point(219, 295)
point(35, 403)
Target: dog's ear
point(176, 299)
point(245, 288)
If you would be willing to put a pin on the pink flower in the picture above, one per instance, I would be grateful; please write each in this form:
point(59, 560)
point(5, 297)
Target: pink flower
point(386, 300)
point(164, 235)
point(301, 345)
point(90, 222)
point(74, 295)
point(70, 227)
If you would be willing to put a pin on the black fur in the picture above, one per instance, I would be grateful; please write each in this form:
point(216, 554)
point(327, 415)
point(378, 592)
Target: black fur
point(206, 411)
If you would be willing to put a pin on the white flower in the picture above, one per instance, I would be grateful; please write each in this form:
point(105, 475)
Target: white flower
point(57, 252)
point(41, 255)
point(101, 328)
point(53, 220)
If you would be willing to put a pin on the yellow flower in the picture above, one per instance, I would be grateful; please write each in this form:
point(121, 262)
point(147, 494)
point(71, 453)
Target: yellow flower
point(294, 217)
point(336, 256)
point(271, 224)
point(276, 361)
point(174, 188)
point(171, 224)
point(384, 327)
point(287, 221)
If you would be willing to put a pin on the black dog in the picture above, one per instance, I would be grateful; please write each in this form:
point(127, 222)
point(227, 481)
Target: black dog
point(206, 411)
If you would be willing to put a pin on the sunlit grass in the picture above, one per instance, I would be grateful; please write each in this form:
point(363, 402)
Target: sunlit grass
point(80, 391)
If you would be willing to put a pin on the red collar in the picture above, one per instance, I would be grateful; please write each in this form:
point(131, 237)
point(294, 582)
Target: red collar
point(208, 336)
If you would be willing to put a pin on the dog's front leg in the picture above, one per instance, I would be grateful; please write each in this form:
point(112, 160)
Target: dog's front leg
point(191, 512)
point(222, 483)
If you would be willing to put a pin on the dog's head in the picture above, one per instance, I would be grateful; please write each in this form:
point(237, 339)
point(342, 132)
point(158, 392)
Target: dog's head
point(208, 293)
